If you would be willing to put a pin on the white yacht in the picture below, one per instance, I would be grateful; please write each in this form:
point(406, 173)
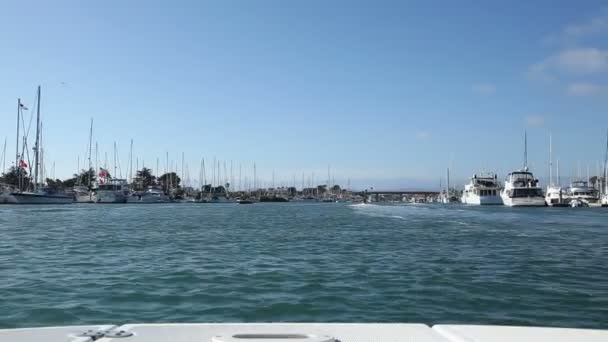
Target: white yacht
point(521, 187)
point(83, 194)
point(556, 197)
point(581, 191)
point(112, 191)
point(152, 195)
point(482, 190)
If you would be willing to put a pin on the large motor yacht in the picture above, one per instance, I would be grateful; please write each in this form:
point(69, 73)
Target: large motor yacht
point(521, 187)
point(482, 190)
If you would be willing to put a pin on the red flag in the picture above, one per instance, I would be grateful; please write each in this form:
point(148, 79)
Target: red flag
point(22, 164)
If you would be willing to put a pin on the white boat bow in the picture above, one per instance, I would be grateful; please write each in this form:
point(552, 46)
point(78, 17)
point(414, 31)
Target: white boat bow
point(300, 332)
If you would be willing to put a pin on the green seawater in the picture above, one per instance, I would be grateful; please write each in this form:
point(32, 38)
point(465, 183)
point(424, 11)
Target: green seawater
point(300, 262)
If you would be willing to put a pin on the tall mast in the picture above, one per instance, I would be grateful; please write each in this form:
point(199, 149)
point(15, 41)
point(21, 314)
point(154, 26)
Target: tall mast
point(550, 161)
point(41, 172)
point(96, 157)
point(90, 151)
point(114, 159)
point(17, 166)
point(131, 162)
point(525, 150)
point(557, 170)
point(36, 147)
point(204, 173)
point(448, 191)
point(4, 157)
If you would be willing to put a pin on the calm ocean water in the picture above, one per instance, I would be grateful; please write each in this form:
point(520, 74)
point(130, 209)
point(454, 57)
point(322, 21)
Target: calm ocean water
point(82, 264)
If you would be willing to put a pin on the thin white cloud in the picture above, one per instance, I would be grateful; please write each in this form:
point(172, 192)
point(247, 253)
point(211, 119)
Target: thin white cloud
point(584, 89)
point(574, 33)
point(484, 89)
point(580, 61)
point(535, 120)
point(423, 135)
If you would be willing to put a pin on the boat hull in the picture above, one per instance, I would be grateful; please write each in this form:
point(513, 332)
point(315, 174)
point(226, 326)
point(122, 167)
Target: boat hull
point(523, 201)
point(32, 198)
point(110, 197)
point(482, 200)
point(85, 198)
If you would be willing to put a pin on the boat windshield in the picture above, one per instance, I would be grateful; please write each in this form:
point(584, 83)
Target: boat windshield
point(486, 182)
point(527, 193)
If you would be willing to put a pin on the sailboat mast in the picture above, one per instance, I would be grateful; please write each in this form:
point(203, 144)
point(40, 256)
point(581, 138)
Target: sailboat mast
point(41, 172)
point(131, 162)
point(550, 161)
point(557, 171)
point(448, 190)
point(4, 157)
point(90, 152)
point(17, 166)
point(525, 150)
point(36, 147)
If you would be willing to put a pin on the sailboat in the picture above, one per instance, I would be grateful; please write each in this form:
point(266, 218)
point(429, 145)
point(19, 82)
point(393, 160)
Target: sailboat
point(86, 194)
point(446, 196)
point(38, 195)
point(555, 196)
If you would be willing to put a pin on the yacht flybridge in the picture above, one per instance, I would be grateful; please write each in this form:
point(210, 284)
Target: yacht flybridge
point(482, 189)
point(521, 187)
point(300, 332)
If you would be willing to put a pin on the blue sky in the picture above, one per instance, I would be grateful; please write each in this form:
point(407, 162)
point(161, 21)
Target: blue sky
point(389, 93)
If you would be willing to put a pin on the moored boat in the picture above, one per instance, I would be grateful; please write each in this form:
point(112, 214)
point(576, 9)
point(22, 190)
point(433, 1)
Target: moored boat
point(482, 190)
point(521, 187)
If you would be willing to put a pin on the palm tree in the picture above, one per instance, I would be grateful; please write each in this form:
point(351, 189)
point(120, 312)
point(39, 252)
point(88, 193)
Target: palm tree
point(145, 177)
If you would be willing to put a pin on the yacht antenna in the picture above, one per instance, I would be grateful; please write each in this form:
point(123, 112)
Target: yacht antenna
point(550, 161)
point(526, 151)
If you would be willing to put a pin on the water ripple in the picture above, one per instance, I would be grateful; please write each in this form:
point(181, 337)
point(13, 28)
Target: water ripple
point(94, 264)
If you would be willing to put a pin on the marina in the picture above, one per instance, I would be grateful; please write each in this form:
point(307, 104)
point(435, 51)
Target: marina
point(26, 183)
point(297, 171)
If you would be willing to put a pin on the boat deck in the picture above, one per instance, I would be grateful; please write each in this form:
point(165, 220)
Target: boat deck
point(299, 332)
